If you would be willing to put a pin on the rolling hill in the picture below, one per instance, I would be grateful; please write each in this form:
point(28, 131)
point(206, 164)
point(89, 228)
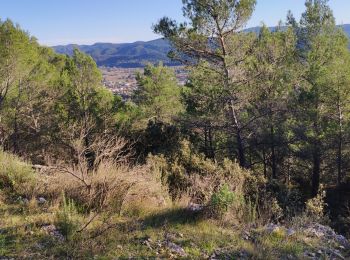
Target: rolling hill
point(134, 55)
point(123, 55)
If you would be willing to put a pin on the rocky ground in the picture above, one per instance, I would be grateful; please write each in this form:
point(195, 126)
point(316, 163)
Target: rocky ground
point(27, 233)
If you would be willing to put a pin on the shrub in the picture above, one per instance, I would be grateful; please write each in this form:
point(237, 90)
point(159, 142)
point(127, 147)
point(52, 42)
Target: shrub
point(190, 173)
point(110, 189)
point(249, 211)
point(221, 201)
point(207, 182)
point(16, 176)
point(66, 218)
point(315, 207)
point(290, 199)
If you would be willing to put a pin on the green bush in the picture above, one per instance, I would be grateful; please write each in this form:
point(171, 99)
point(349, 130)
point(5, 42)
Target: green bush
point(315, 207)
point(221, 201)
point(16, 176)
point(67, 217)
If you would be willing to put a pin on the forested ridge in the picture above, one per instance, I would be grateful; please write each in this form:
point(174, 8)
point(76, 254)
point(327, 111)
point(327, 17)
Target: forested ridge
point(249, 160)
point(137, 54)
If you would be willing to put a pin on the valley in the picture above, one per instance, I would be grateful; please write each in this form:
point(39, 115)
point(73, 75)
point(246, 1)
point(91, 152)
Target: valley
point(122, 81)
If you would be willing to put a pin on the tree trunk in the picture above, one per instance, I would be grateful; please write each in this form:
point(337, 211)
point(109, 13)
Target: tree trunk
point(316, 171)
point(316, 153)
point(264, 162)
point(234, 118)
point(15, 135)
point(273, 154)
point(239, 140)
point(340, 143)
point(206, 150)
point(210, 139)
point(316, 158)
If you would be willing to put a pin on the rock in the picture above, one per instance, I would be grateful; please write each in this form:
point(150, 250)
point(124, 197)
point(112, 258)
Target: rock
point(243, 255)
point(344, 243)
point(341, 247)
point(40, 246)
point(170, 236)
point(319, 231)
point(339, 255)
point(213, 257)
point(246, 235)
point(228, 254)
point(271, 228)
point(53, 231)
point(310, 254)
point(327, 233)
point(290, 232)
point(41, 201)
point(159, 244)
point(147, 242)
point(195, 207)
point(21, 200)
point(176, 249)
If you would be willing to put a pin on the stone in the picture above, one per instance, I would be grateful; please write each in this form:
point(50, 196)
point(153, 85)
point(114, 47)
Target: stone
point(290, 232)
point(271, 228)
point(342, 241)
point(42, 200)
point(195, 207)
point(311, 254)
point(176, 249)
point(53, 231)
point(246, 235)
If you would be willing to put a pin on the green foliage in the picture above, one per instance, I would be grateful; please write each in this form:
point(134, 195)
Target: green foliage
point(158, 95)
point(161, 138)
point(221, 201)
point(315, 207)
point(261, 124)
point(84, 96)
point(67, 217)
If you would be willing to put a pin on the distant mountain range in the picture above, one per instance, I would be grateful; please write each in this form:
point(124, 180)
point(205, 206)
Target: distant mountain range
point(124, 55)
point(133, 55)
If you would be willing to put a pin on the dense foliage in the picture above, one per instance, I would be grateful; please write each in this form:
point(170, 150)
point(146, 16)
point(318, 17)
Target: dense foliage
point(258, 134)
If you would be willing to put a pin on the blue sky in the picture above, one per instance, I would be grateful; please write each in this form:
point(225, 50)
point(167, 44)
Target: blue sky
point(88, 21)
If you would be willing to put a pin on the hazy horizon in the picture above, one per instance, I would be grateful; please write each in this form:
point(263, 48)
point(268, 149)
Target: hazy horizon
point(106, 21)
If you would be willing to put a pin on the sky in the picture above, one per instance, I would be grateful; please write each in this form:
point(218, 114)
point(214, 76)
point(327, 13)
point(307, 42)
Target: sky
point(55, 22)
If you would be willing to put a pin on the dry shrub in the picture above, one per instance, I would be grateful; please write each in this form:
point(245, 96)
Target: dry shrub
point(109, 185)
point(17, 177)
point(110, 188)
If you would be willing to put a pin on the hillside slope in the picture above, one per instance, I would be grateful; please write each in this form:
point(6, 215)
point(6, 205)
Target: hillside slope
point(134, 55)
point(123, 55)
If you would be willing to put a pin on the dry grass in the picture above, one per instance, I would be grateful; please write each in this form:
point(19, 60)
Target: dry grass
point(17, 178)
point(118, 189)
